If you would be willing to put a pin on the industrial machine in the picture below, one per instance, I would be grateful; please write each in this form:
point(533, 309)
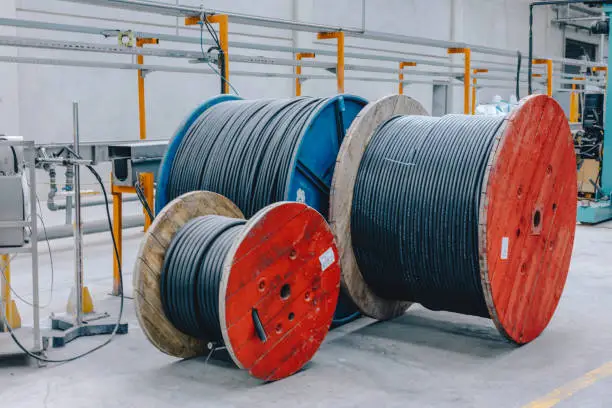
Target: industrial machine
point(596, 169)
point(12, 200)
point(588, 143)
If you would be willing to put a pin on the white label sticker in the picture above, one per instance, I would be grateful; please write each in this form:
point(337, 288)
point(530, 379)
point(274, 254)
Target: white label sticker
point(327, 258)
point(504, 247)
point(301, 196)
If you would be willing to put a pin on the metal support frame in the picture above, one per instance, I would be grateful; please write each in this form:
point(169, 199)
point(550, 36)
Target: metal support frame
point(467, 72)
point(223, 21)
point(142, 107)
point(549, 73)
point(474, 86)
point(400, 75)
point(32, 248)
point(146, 180)
point(339, 36)
point(298, 70)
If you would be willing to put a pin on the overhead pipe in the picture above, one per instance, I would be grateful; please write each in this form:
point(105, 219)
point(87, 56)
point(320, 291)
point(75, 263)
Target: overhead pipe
point(92, 227)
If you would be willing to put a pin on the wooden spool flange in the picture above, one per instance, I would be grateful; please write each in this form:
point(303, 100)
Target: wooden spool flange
point(284, 264)
point(527, 215)
point(341, 200)
point(527, 218)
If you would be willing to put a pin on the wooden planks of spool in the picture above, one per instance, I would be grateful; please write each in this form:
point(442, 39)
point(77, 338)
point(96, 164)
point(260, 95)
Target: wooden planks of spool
point(284, 263)
point(527, 215)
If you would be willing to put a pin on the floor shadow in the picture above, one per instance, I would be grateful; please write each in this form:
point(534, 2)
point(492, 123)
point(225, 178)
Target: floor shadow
point(446, 331)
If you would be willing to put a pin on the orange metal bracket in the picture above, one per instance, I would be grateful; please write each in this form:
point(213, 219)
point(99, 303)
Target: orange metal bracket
point(146, 180)
point(142, 116)
point(549, 73)
point(467, 68)
point(339, 35)
point(403, 64)
point(601, 69)
point(223, 22)
point(9, 307)
point(474, 83)
point(298, 70)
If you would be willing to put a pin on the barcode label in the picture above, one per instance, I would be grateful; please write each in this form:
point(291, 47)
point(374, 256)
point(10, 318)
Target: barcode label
point(327, 258)
point(504, 247)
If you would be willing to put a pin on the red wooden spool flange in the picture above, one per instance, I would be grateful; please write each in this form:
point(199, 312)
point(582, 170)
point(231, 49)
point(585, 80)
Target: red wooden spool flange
point(285, 266)
point(528, 218)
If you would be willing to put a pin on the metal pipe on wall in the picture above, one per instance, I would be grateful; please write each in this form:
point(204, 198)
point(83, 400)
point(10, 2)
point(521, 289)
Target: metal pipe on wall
point(92, 227)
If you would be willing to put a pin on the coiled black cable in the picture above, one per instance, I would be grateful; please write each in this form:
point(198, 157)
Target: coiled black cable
point(242, 150)
point(414, 220)
point(192, 271)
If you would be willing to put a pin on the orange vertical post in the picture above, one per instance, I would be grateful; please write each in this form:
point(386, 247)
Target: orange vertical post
point(147, 181)
point(118, 234)
point(574, 115)
point(400, 75)
point(549, 74)
point(339, 36)
point(223, 22)
point(298, 70)
point(142, 117)
point(467, 73)
point(474, 83)
point(7, 305)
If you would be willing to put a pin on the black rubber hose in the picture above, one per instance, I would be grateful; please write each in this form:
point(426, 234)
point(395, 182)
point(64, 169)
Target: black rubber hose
point(414, 220)
point(242, 150)
point(192, 271)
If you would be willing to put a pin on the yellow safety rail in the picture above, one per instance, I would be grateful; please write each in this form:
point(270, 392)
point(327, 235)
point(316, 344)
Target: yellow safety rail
point(400, 76)
point(339, 35)
point(549, 73)
point(146, 180)
point(467, 69)
point(474, 83)
point(298, 70)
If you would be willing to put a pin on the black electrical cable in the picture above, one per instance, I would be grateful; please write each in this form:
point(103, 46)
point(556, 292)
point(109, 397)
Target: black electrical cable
point(414, 220)
point(143, 200)
point(242, 150)
point(191, 274)
point(519, 61)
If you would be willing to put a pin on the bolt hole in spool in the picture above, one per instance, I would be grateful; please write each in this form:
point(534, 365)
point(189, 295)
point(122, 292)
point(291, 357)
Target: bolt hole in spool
point(537, 218)
point(257, 152)
point(227, 293)
point(440, 188)
point(285, 291)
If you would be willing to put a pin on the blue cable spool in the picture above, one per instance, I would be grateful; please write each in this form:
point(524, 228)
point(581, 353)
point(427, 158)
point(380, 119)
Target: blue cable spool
point(311, 169)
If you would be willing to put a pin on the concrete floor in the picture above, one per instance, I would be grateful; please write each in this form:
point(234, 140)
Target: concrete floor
point(423, 359)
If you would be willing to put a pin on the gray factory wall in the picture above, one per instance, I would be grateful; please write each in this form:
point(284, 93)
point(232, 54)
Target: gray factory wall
point(35, 101)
